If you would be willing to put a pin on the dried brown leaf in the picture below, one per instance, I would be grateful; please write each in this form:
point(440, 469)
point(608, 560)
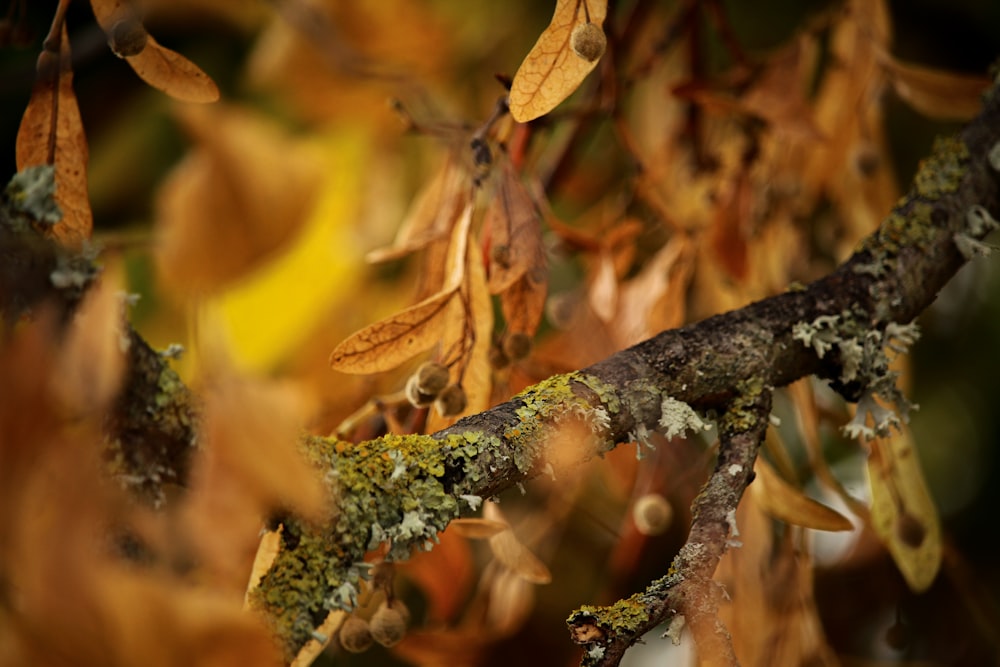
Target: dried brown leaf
point(552, 70)
point(390, 342)
point(937, 93)
point(172, 73)
point(474, 528)
point(786, 503)
point(51, 132)
point(432, 214)
point(523, 303)
point(518, 558)
point(514, 229)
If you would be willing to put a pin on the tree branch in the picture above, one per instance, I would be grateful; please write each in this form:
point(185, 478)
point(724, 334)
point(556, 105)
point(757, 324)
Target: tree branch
point(403, 490)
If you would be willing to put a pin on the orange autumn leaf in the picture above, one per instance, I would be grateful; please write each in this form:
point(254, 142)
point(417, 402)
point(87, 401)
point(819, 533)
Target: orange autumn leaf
point(565, 53)
point(514, 232)
point(389, 342)
point(783, 501)
point(51, 132)
point(936, 93)
point(227, 194)
point(523, 303)
point(160, 67)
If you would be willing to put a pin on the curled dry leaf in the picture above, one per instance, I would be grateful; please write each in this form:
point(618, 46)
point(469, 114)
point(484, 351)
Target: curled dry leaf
point(552, 70)
point(903, 513)
point(783, 501)
point(936, 93)
point(51, 132)
point(515, 234)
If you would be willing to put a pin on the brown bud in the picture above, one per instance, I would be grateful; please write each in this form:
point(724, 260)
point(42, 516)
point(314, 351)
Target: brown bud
point(588, 41)
point(417, 398)
point(127, 37)
point(451, 401)
point(432, 377)
point(517, 346)
point(652, 514)
point(47, 65)
point(498, 358)
point(388, 624)
point(355, 635)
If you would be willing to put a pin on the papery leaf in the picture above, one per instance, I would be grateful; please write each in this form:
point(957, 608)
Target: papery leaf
point(160, 67)
point(51, 132)
point(552, 70)
point(431, 216)
point(514, 229)
point(172, 73)
point(474, 528)
point(518, 558)
point(389, 342)
point(936, 93)
point(327, 630)
point(523, 303)
point(903, 512)
point(786, 503)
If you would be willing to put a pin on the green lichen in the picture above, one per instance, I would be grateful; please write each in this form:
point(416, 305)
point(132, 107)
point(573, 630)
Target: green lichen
point(742, 413)
point(910, 223)
point(553, 401)
point(395, 491)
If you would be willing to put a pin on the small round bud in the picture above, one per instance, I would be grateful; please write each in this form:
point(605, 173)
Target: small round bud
point(432, 377)
point(451, 401)
point(417, 398)
point(588, 41)
point(517, 346)
point(355, 635)
point(47, 65)
point(388, 624)
point(498, 358)
point(127, 37)
point(652, 514)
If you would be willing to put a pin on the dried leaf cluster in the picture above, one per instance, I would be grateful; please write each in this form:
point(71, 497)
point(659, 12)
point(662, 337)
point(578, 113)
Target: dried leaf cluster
point(536, 242)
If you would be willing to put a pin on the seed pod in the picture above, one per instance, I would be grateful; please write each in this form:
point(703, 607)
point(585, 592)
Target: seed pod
point(498, 358)
point(652, 514)
point(432, 377)
point(388, 625)
point(127, 37)
point(417, 398)
point(451, 401)
point(517, 346)
point(588, 41)
point(355, 635)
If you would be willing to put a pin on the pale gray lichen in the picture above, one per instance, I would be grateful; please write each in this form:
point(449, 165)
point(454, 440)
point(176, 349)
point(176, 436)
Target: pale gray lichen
point(596, 652)
point(31, 191)
point(677, 418)
point(473, 501)
point(820, 334)
point(994, 156)
point(865, 360)
point(675, 629)
point(971, 247)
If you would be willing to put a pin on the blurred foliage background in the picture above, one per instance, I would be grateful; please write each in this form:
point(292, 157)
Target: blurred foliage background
point(138, 135)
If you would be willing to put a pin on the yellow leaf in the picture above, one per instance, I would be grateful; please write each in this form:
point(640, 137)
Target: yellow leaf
point(518, 558)
point(903, 513)
point(51, 132)
point(786, 503)
point(937, 93)
point(553, 69)
point(267, 315)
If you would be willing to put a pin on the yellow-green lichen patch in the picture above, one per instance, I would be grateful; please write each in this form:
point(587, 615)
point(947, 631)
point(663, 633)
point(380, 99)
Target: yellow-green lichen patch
point(553, 401)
